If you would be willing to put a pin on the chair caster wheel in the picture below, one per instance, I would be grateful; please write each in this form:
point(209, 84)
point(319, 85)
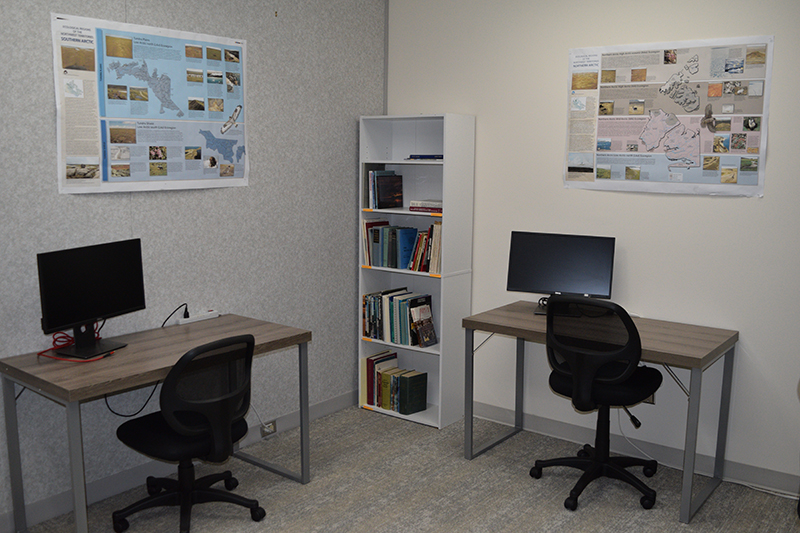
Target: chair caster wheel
point(647, 503)
point(571, 503)
point(536, 472)
point(120, 525)
point(649, 472)
point(231, 483)
point(583, 453)
point(258, 514)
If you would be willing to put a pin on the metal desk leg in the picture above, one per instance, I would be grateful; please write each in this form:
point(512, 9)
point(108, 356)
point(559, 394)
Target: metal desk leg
point(690, 506)
point(469, 378)
point(76, 466)
point(305, 455)
point(520, 379)
point(14, 457)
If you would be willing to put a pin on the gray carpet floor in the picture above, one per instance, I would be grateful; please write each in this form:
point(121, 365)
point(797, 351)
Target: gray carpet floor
point(375, 473)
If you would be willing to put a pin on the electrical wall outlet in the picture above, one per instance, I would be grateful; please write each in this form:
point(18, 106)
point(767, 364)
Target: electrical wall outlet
point(268, 429)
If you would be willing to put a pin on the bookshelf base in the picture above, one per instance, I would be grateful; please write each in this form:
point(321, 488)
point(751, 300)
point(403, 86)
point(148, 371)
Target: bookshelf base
point(428, 417)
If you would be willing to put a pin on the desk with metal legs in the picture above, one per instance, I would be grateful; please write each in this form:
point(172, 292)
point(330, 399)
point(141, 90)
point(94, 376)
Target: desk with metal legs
point(668, 343)
point(145, 361)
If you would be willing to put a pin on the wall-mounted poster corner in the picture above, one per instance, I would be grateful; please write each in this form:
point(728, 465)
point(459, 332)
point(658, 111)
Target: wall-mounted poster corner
point(686, 117)
point(143, 109)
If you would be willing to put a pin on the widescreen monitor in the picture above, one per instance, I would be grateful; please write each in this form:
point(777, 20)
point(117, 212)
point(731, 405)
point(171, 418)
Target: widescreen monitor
point(551, 263)
point(81, 286)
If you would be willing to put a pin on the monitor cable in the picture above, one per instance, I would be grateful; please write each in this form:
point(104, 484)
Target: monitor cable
point(62, 339)
point(152, 392)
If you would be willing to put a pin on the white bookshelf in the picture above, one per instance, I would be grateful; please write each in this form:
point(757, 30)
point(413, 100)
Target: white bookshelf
point(385, 143)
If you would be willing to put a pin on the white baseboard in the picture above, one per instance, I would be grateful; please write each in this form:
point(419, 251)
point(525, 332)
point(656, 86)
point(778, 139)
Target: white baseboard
point(671, 457)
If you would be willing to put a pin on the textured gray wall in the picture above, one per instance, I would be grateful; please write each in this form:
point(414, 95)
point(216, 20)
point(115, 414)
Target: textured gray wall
point(282, 249)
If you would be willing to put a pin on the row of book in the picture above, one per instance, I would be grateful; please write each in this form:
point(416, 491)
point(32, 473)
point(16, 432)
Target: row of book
point(398, 316)
point(403, 247)
point(385, 385)
point(385, 191)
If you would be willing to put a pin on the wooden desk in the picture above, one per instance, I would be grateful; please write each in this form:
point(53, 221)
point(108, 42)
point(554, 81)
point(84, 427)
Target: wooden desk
point(146, 360)
point(668, 343)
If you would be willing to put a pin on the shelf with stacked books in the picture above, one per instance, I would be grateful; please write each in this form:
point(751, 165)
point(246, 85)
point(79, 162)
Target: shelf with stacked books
point(416, 180)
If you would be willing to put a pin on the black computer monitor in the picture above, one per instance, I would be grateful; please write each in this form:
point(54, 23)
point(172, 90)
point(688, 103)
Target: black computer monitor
point(552, 263)
point(80, 286)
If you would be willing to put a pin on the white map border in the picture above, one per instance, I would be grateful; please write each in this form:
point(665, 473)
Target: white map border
point(586, 59)
point(89, 25)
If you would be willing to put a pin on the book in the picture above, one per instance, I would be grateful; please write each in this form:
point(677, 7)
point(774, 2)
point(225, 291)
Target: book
point(425, 156)
point(367, 234)
point(373, 193)
point(413, 305)
point(406, 240)
point(427, 206)
point(425, 203)
point(363, 381)
point(400, 319)
point(384, 364)
point(389, 334)
point(419, 251)
point(386, 387)
point(423, 323)
point(436, 249)
point(369, 368)
point(389, 191)
point(384, 313)
point(413, 393)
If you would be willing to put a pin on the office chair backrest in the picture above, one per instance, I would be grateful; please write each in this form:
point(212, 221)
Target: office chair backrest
point(590, 340)
point(208, 390)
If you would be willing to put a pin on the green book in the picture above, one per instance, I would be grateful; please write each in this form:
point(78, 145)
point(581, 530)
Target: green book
point(413, 392)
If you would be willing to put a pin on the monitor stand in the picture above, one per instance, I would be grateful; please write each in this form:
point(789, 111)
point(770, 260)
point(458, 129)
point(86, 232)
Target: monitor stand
point(86, 346)
point(541, 309)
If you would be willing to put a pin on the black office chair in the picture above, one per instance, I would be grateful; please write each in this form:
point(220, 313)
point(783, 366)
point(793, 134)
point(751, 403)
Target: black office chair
point(594, 348)
point(203, 402)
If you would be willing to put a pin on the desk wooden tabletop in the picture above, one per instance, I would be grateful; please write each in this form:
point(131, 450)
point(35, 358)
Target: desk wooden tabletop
point(672, 343)
point(146, 359)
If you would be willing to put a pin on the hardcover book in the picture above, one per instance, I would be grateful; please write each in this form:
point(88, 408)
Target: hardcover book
point(423, 323)
point(389, 191)
point(413, 392)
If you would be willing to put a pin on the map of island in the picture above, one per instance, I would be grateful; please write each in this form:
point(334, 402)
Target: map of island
point(677, 86)
point(160, 85)
point(223, 146)
point(680, 144)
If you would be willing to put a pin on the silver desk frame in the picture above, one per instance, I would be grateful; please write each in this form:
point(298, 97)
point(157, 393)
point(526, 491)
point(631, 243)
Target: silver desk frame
point(689, 506)
point(76, 456)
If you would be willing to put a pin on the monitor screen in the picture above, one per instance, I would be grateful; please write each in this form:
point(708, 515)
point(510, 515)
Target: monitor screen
point(80, 286)
point(551, 263)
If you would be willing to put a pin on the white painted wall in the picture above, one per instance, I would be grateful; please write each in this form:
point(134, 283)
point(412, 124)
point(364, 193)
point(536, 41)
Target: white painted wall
point(725, 262)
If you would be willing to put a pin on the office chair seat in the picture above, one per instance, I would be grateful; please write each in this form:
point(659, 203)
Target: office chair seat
point(151, 435)
point(203, 402)
point(594, 350)
point(640, 386)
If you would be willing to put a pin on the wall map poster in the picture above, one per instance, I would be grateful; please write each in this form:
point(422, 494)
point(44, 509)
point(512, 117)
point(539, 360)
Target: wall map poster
point(141, 108)
point(683, 117)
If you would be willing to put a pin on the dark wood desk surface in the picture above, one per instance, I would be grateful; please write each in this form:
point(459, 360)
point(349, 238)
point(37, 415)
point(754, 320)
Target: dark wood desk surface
point(671, 343)
point(147, 358)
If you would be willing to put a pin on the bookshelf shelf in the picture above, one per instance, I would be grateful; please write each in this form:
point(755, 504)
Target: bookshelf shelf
point(385, 144)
